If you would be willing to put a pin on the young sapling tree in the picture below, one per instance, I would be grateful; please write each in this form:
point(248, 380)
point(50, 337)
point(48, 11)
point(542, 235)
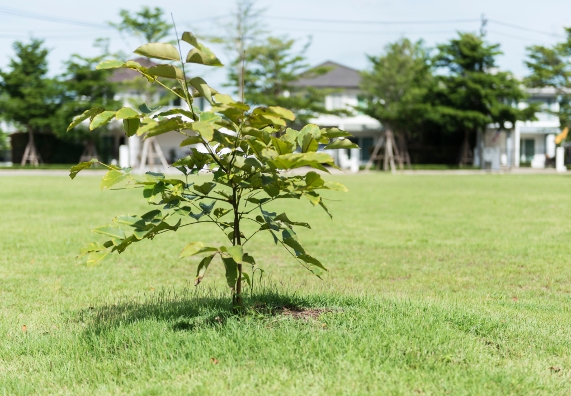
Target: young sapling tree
point(246, 150)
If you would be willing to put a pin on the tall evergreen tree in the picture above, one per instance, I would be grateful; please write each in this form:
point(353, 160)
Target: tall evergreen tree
point(473, 93)
point(551, 67)
point(395, 88)
point(149, 25)
point(28, 97)
point(85, 88)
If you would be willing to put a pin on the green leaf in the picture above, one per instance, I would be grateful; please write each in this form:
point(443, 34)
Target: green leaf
point(191, 140)
point(81, 166)
point(131, 126)
point(283, 218)
point(166, 71)
point(126, 112)
point(207, 208)
point(334, 133)
point(313, 180)
point(109, 64)
point(194, 248)
point(341, 144)
point(110, 230)
point(236, 252)
point(202, 87)
point(281, 146)
point(96, 257)
point(203, 57)
point(101, 119)
point(91, 247)
point(291, 242)
point(112, 177)
point(311, 260)
point(248, 259)
point(204, 188)
point(84, 116)
point(202, 267)
point(283, 113)
point(204, 129)
point(158, 51)
point(209, 117)
point(231, 268)
point(148, 110)
point(335, 186)
point(164, 126)
point(191, 39)
point(308, 138)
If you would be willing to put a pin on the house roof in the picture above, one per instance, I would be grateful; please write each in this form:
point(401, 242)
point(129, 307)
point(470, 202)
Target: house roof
point(124, 74)
point(339, 76)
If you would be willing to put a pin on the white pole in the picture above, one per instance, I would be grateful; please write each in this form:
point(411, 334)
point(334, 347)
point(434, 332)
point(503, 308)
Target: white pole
point(560, 159)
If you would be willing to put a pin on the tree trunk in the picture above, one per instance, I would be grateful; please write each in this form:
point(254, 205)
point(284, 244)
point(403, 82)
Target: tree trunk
point(30, 153)
point(237, 297)
point(466, 156)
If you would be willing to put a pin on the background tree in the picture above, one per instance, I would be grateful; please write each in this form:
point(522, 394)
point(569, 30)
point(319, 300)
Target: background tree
point(551, 67)
point(473, 93)
point(85, 88)
point(273, 68)
point(245, 30)
point(28, 97)
point(395, 88)
point(148, 24)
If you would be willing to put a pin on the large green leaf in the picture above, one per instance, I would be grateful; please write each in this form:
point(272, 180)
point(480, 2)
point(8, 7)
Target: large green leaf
point(202, 267)
point(194, 248)
point(312, 260)
point(282, 146)
point(126, 112)
point(293, 243)
point(206, 58)
point(204, 129)
point(166, 71)
point(110, 230)
point(313, 180)
point(335, 186)
point(202, 87)
point(113, 177)
point(237, 253)
point(81, 166)
point(204, 188)
point(84, 116)
point(131, 126)
point(110, 64)
point(101, 119)
point(283, 113)
point(308, 138)
point(164, 126)
point(341, 144)
point(159, 51)
point(334, 133)
point(191, 140)
point(231, 268)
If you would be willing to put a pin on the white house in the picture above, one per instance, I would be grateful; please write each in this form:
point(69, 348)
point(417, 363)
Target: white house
point(529, 143)
point(366, 130)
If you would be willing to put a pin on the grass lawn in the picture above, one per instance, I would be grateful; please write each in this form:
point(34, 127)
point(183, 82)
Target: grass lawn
point(437, 285)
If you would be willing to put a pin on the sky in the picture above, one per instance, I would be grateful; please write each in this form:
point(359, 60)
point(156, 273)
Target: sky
point(340, 30)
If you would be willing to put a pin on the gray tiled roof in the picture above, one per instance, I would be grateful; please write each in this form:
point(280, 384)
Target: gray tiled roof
point(338, 77)
point(120, 75)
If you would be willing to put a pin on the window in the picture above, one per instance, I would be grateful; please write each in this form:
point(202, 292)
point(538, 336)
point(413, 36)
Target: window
point(527, 150)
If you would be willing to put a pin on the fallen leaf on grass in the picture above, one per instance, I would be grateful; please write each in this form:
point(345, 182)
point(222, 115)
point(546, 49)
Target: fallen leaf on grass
point(24, 328)
point(555, 369)
point(213, 360)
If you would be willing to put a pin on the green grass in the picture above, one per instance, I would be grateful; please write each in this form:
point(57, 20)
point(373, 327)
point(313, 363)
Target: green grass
point(437, 285)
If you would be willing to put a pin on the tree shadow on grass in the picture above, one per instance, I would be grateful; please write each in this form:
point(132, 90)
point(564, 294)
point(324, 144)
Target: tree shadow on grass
point(191, 308)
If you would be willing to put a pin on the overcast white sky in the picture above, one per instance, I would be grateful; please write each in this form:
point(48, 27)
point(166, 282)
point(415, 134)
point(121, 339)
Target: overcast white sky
point(346, 40)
